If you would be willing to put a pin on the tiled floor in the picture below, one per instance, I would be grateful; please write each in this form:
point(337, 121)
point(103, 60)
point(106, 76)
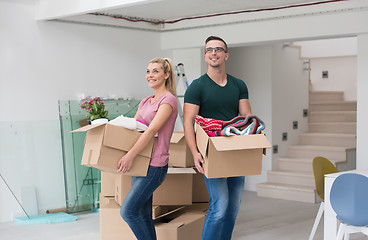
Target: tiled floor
point(259, 219)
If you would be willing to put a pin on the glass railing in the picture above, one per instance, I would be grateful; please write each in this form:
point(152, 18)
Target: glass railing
point(82, 184)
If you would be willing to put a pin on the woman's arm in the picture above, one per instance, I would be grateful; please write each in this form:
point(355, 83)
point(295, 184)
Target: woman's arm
point(137, 113)
point(162, 115)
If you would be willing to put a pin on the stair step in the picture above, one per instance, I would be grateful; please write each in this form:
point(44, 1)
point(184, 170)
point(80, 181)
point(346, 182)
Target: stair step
point(332, 133)
point(333, 106)
point(332, 116)
point(285, 177)
point(287, 192)
point(326, 96)
point(302, 165)
point(295, 164)
point(306, 151)
point(328, 139)
point(332, 127)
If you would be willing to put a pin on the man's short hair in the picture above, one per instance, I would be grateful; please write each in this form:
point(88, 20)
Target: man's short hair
point(210, 38)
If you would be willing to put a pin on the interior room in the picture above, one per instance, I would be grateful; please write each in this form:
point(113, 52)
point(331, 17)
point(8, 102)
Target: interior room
point(56, 54)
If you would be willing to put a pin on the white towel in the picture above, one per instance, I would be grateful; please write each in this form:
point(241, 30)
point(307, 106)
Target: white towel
point(127, 122)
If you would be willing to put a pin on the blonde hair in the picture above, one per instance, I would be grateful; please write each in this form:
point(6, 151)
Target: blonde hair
point(168, 68)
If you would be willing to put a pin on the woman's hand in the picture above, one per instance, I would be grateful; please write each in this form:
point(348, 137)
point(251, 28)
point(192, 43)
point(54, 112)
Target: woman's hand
point(125, 163)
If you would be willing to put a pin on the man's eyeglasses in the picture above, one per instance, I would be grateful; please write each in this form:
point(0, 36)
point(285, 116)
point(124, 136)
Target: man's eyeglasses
point(216, 49)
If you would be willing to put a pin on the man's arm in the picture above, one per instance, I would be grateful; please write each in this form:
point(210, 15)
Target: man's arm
point(190, 111)
point(244, 107)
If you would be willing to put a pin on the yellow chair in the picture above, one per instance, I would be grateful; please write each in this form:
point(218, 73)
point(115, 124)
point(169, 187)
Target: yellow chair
point(321, 166)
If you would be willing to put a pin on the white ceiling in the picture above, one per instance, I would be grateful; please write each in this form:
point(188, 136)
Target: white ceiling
point(141, 14)
point(175, 9)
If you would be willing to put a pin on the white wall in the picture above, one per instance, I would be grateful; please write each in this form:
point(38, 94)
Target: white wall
point(289, 98)
point(335, 47)
point(338, 57)
point(42, 62)
point(342, 75)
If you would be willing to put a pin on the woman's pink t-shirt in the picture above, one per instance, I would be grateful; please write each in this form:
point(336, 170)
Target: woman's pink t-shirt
point(147, 111)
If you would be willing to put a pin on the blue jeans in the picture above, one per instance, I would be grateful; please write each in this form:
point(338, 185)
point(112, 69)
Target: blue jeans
point(225, 198)
point(136, 209)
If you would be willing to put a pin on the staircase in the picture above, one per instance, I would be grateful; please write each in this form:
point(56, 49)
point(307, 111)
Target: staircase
point(331, 134)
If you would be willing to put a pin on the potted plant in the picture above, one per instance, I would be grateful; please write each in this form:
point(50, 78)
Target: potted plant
point(96, 109)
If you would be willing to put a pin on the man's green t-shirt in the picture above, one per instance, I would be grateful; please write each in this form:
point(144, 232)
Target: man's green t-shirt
point(215, 101)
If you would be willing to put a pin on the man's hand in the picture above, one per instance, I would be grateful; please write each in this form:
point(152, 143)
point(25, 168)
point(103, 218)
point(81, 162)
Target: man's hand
point(198, 161)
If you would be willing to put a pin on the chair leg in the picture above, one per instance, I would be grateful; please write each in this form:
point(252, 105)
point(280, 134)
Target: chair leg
point(365, 230)
point(341, 231)
point(346, 235)
point(316, 221)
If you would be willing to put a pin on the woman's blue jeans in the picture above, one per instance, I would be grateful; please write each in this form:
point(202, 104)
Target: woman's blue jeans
point(225, 198)
point(136, 209)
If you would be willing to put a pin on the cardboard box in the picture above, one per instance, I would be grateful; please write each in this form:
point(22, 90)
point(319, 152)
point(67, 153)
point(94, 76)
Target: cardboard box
point(105, 144)
point(180, 225)
point(231, 156)
point(176, 188)
point(198, 207)
point(162, 211)
point(180, 155)
point(112, 226)
point(122, 186)
point(200, 192)
point(159, 210)
point(108, 184)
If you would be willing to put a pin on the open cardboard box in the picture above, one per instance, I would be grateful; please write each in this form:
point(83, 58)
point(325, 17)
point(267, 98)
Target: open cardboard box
point(105, 144)
point(180, 155)
point(175, 223)
point(231, 156)
point(160, 210)
point(184, 224)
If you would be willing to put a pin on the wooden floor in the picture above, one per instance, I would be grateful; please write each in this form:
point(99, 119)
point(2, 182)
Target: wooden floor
point(259, 219)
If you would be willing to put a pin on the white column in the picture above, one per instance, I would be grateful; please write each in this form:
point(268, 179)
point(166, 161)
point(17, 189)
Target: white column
point(362, 100)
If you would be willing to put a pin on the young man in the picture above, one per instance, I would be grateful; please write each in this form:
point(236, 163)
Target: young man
point(216, 95)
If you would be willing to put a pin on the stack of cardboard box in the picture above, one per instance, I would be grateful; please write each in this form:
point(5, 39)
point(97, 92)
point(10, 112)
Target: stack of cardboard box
point(173, 220)
point(181, 202)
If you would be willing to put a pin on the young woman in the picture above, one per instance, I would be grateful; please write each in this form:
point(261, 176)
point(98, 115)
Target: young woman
point(159, 113)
